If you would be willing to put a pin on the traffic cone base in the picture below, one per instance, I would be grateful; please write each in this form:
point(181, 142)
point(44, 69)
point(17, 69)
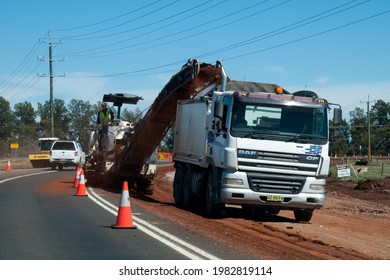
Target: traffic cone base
point(81, 190)
point(124, 219)
point(117, 227)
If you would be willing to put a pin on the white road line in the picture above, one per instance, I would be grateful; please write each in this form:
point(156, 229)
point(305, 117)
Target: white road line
point(26, 175)
point(168, 239)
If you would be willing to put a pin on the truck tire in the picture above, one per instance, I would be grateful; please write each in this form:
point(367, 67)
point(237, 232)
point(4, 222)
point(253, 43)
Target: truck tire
point(212, 208)
point(178, 185)
point(303, 215)
point(187, 197)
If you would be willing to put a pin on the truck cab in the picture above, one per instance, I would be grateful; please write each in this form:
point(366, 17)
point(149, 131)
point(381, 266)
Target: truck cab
point(265, 150)
point(273, 149)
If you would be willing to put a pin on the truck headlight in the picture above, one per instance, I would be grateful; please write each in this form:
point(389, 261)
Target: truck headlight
point(232, 181)
point(317, 188)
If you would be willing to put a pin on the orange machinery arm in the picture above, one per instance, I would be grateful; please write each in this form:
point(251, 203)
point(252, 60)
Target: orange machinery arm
point(191, 80)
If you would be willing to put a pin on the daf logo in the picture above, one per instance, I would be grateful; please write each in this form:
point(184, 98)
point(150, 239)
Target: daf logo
point(247, 153)
point(312, 158)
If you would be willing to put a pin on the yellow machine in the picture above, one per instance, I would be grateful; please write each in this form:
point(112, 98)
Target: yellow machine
point(41, 158)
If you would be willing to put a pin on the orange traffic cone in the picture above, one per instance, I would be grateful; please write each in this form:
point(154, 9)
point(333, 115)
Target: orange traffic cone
point(81, 190)
point(8, 168)
point(77, 177)
point(124, 218)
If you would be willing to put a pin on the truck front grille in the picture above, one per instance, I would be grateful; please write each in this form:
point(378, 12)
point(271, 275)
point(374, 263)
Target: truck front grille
point(273, 172)
point(275, 183)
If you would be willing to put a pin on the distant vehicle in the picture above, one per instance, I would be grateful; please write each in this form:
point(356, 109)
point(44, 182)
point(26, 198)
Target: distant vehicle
point(40, 158)
point(66, 153)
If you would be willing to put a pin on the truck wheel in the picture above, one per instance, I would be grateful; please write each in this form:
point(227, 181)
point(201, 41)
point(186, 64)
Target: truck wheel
point(303, 215)
point(178, 185)
point(53, 167)
point(212, 209)
point(187, 187)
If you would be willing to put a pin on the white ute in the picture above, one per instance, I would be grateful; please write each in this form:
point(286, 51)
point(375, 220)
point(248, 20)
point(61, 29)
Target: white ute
point(66, 153)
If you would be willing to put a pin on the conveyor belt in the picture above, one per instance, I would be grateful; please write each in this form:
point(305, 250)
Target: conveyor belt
point(191, 80)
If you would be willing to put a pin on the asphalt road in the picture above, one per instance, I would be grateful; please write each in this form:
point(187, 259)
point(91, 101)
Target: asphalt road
point(42, 219)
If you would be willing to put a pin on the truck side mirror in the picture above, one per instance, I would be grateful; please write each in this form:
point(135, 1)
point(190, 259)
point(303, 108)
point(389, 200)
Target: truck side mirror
point(218, 109)
point(337, 116)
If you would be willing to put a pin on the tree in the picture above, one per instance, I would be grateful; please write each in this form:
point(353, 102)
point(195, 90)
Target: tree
point(25, 125)
point(6, 126)
point(6, 120)
point(358, 132)
point(339, 144)
point(24, 113)
point(61, 119)
point(380, 121)
point(130, 116)
point(167, 142)
point(81, 115)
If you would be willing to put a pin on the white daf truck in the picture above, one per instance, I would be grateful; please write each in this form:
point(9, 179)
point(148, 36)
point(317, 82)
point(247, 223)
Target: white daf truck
point(254, 145)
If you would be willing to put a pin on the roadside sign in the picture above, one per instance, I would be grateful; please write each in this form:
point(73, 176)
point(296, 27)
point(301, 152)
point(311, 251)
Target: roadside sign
point(343, 170)
point(14, 146)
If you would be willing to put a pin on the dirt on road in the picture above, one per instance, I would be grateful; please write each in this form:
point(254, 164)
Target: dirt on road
point(354, 224)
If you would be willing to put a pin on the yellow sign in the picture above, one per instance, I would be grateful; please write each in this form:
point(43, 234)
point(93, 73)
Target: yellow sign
point(38, 157)
point(15, 146)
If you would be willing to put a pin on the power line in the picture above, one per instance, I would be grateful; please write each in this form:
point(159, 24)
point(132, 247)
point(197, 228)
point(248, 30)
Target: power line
point(115, 26)
point(254, 52)
point(19, 68)
point(223, 17)
point(107, 20)
point(309, 36)
point(290, 27)
point(224, 25)
point(152, 31)
point(13, 76)
point(276, 32)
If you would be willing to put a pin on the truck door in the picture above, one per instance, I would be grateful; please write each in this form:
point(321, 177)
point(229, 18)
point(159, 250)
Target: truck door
point(221, 132)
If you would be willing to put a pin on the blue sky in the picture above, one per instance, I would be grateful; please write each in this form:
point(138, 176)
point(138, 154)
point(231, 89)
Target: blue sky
point(338, 48)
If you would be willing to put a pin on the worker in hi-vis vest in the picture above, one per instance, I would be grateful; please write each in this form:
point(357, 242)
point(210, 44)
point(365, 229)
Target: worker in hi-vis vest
point(104, 119)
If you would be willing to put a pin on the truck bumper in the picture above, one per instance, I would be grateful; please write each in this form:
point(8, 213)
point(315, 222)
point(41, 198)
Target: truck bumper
point(241, 194)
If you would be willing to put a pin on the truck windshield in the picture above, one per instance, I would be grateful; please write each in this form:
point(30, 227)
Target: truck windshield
point(279, 122)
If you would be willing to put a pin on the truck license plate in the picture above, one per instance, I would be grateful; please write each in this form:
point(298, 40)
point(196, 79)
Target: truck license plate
point(275, 197)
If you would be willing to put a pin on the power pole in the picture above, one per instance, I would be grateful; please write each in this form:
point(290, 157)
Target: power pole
point(51, 88)
point(368, 126)
point(50, 43)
